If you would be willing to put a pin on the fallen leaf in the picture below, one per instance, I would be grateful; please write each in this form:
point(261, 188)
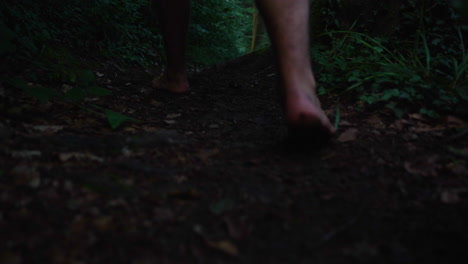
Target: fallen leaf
point(66, 88)
point(205, 155)
point(156, 103)
point(459, 152)
point(79, 156)
point(423, 167)
point(149, 128)
point(180, 179)
point(451, 196)
point(172, 116)
point(422, 128)
point(25, 153)
point(399, 124)
point(10, 258)
point(459, 169)
point(47, 129)
point(455, 122)
point(417, 116)
point(348, 135)
point(224, 246)
point(237, 227)
point(375, 121)
point(163, 215)
point(344, 123)
point(26, 174)
point(103, 223)
point(78, 225)
point(130, 129)
point(328, 156)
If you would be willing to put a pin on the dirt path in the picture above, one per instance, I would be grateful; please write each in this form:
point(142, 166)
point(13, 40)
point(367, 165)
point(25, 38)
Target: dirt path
point(208, 178)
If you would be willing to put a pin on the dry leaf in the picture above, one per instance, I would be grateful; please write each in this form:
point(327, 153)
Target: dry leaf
point(172, 116)
point(78, 225)
point(103, 223)
point(422, 128)
point(25, 153)
point(79, 156)
point(451, 196)
point(417, 116)
point(26, 174)
point(459, 169)
point(130, 129)
point(10, 258)
point(163, 215)
point(348, 135)
point(47, 129)
point(205, 155)
point(398, 125)
point(375, 121)
point(156, 103)
point(344, 123)
point(424, 167)
point(455, 122)
point(237, 228)
point(224, 246)
point(66, 88)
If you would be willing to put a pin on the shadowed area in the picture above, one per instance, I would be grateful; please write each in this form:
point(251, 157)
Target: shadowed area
point(210, 177)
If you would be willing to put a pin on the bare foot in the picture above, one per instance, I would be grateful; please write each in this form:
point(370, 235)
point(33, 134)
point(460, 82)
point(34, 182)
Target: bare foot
point(174, 84)
point(304, 113)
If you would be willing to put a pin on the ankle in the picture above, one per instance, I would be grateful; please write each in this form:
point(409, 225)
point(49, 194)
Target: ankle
point(299, 84)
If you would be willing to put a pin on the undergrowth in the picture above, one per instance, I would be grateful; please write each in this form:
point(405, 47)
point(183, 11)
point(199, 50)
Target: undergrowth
point(426, 70)
point(407, 55)
point(43, 42)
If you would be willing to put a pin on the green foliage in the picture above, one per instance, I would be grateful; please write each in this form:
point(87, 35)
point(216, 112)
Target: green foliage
point(120, 29)
point(6, 40)
point(221, 206)
point(43, 94)
point(337, 117)
point(219, 30)
point(85, 86)
point(424, 71)
point(112, 28)
point(116, 119)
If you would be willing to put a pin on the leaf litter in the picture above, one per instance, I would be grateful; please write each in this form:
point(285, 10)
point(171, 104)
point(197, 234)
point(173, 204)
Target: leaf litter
point(146, 189)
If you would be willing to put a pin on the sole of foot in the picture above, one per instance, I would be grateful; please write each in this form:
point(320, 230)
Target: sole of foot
point(306, 121)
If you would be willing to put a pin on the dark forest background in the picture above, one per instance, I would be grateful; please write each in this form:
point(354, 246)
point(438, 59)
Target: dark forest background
point(405, 55)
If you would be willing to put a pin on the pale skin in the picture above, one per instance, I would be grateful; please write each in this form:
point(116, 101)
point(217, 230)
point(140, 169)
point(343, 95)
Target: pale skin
point(287, 24)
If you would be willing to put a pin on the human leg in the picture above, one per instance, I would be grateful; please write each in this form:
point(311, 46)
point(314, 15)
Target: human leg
point(173, 18)
point(287, 24)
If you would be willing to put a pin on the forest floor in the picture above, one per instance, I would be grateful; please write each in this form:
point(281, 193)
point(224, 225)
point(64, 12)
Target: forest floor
point(209, 177)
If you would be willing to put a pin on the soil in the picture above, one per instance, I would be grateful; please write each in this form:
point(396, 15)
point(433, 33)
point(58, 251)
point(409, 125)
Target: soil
point(211, 177)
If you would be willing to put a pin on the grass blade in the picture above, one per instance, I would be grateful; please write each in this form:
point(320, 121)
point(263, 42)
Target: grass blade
point(337, 117)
